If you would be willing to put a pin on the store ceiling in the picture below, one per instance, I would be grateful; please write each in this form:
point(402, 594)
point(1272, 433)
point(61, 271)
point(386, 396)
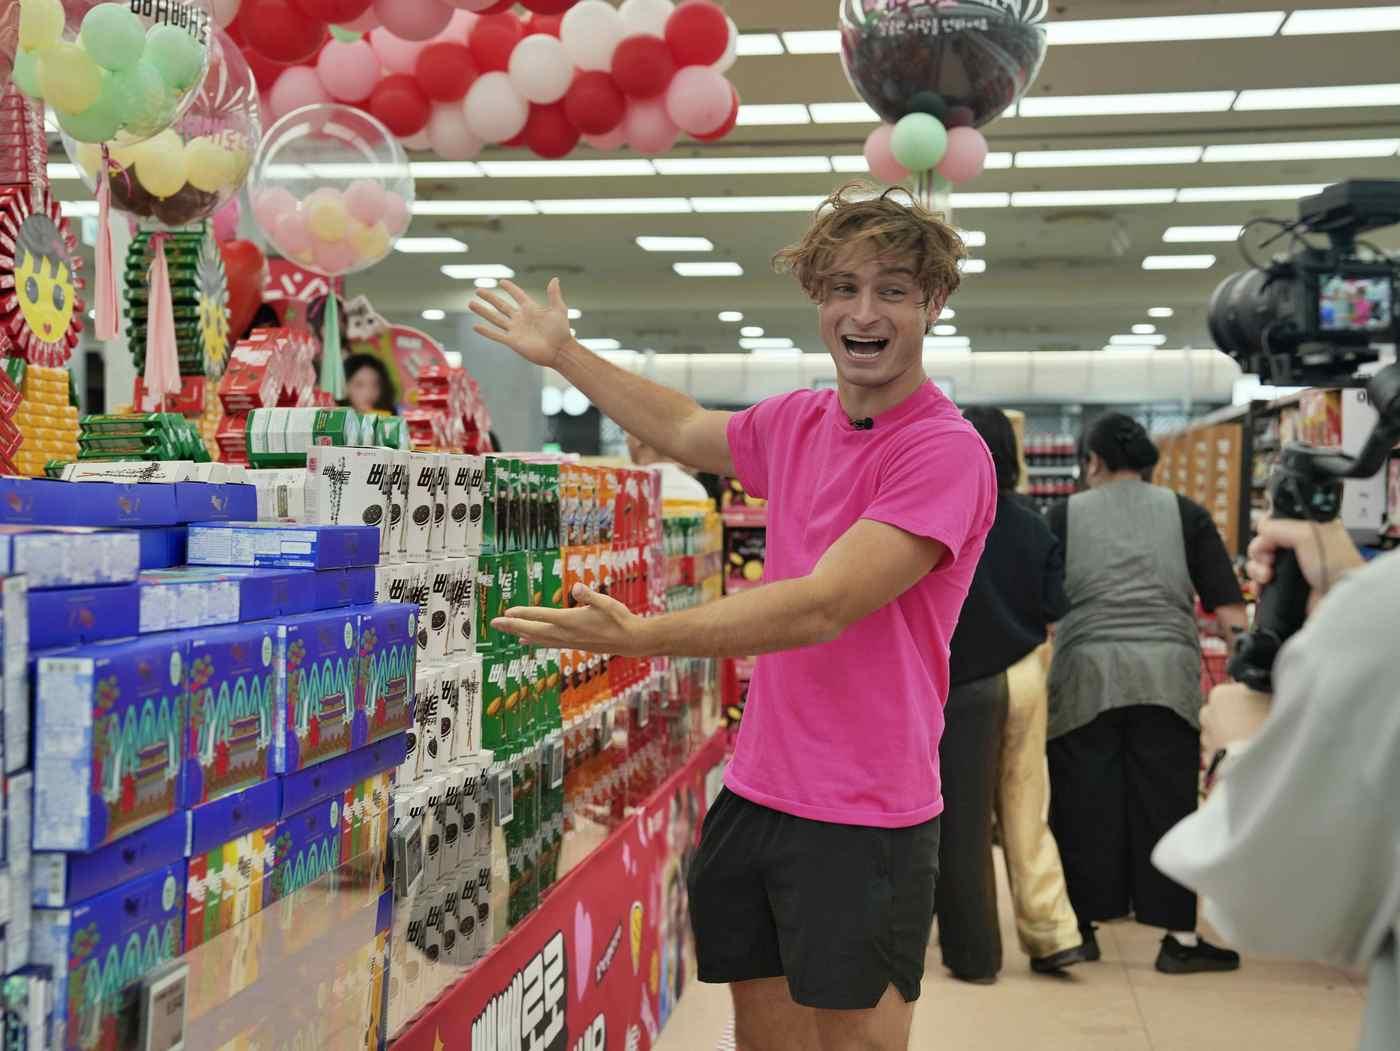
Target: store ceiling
point(1063, 276)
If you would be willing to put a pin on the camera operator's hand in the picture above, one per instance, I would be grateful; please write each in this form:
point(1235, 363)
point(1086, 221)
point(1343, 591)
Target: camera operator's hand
point(1233, 714)
point(1325, 552)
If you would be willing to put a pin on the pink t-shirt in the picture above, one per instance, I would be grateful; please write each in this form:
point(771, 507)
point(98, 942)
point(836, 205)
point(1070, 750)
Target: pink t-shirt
point(848, 731)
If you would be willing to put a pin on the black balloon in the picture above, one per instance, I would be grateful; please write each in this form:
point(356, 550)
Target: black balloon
point(963, 61)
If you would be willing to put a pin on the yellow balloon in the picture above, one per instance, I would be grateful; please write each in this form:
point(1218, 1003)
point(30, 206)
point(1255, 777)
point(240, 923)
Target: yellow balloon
point(89, 159)
point(369, 242)
point(328, 220)
point(206, 164)
point(69, 77)
point(160, 168)
point(237, 161)
point(40, 24)
point(125, 156)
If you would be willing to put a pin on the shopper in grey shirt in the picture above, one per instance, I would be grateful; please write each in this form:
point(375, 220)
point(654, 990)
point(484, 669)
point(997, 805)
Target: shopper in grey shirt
point(1297, 850)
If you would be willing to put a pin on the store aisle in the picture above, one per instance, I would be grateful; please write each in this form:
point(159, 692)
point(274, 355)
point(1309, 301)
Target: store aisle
point(1118, 1004)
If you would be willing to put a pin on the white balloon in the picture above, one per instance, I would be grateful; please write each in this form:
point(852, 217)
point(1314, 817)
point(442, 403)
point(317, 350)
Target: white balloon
point(591, 31)
point(417, 141)
point(225, 11)
point(731, 50)
point(495, 111)
point(646, 16)
point(541, 69)
point(449, 136)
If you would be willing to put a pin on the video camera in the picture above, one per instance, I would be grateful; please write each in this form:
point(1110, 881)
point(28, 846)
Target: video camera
point(1314, 316)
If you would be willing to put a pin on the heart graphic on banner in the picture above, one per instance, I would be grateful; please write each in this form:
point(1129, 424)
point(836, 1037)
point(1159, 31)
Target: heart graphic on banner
point(583, 948)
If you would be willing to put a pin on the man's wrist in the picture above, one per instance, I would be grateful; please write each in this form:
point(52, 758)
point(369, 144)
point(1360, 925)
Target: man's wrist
point(648, 636)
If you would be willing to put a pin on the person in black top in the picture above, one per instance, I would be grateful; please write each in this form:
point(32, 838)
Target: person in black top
point(1017, 592)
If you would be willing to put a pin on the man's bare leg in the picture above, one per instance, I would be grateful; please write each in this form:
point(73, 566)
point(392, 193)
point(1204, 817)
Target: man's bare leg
point(766, 1019)
point(885, 1027)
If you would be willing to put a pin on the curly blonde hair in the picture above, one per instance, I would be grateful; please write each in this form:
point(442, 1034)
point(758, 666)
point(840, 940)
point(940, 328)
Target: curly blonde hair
point(860, 215)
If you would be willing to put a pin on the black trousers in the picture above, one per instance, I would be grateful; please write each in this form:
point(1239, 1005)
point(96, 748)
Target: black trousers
point(1117, 786)
point(969, 758)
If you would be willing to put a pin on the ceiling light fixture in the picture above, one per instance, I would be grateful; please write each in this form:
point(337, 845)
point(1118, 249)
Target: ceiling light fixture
point(730, 316)
point(725, 269)
point(1136, 341)
point(756, 44)
point(1144, 330)
point(601, 344)
point(973, 238)
point(433, 314)
point(803, 165)
point(1232, 26)
point(1137, 104)
point(588, 169)
point(675, 244)
point(780, 113)
point(972, 266)
point(980, 200)
point(1200, 234)
point(1317, 21)
point(1160, 312)
point(468, 271)
point(1178, 262)
point(945, 330)
point(947, 314)
point(842, 113)
point(421, 207)
point(1107, 158)
point(413, 245)
point(813, 42)
point(63, 171)
point(1300, 151)
point(445, 170)
point(766, 343)
point(575, 313)
point(613, 206)
point(1213, 194)
point(1338, 96)
point(751, 332)
point(78, 209)
point(491, 282)
point(734, 205)
point(1090, 198)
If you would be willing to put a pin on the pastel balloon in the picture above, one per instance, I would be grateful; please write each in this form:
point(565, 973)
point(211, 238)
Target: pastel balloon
point(69, 78)
point(371, 243)
point(176, 55)
point(880, 157)
point(271, 204)
point(417, 141)
point(298, 86)
point(397, 213)
point(333, 257)
point(327, 219)
point(348, 71)
point(608, 141)
point(226, 221)
point(495, 111)
point(290, 234)
point(919, 142)
point(140, 99)
point(590, 32)
point(40, 24)
point(395, 54)
point(698, 100)
point(207, 164)
point(646, 16)
point(225, 11)
point(366, 22)
point(98, 123)
point(540, 69)
point(418, 20)
point(113, 35)
point(160, 165)
point(966, 156)
point(648, 127)
point(26, 74)
point(449, 136)
point(459, 26)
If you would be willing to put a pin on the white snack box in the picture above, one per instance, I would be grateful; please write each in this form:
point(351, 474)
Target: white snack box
point(344, 485)
point(437, 535)
point(418, 517)
point(441, 581)
point(397, 505)
point(458, 504)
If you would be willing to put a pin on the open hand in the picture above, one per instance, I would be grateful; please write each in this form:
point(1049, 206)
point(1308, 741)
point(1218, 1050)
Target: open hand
point(538, 332)
point(598, 624)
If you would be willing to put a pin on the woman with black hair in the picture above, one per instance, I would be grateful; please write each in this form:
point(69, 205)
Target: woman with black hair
point(1125, 687)
point(368, 388)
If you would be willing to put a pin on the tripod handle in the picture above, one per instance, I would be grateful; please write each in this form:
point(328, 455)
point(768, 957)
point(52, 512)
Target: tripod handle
point(1279, 614)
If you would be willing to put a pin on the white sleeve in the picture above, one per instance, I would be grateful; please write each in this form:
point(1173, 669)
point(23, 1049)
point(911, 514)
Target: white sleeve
point(1297, 852)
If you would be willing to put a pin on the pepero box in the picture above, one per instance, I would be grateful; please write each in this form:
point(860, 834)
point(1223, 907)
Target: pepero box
point(344, 587)
point(317, 664)
point(283, 544)
point(59, 880)
point(437, 535)
point(100, 950)
point(207, 596)
point(109, 740)
point(345, 486)
point(384, 683)
point(231, 683)
point(69, 557)
point(420, 508)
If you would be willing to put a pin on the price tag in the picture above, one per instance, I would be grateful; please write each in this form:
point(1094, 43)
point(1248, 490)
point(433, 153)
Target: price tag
point(163, 1008)
point(556, 764)
point(502, 793)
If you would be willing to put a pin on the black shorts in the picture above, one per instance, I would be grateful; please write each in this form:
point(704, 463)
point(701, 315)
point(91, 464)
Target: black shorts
point(841, 911)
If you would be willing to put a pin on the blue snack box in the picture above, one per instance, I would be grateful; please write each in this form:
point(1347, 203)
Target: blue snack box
point(387, 754)
point(384, 688)
point(202, 596)
point(231, 683)
point(305, 848)
point(162, 546)
point(59, 880)
point(34, 501)
point(72, 616)
point(233, 816)
point(108, 741)
point(283, 544)
point(68, 556)
point(100, 949)
point(316, 672)
point(308, 787)
point(344, 587)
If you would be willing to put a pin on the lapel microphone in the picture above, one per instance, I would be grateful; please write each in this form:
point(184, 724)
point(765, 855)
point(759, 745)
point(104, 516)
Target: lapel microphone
point(866, 424)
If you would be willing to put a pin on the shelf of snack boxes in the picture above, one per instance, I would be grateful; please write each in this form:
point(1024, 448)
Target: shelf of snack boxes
point(745, 520)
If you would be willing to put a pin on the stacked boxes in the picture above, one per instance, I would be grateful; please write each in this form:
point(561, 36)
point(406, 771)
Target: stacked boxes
point(47, 421)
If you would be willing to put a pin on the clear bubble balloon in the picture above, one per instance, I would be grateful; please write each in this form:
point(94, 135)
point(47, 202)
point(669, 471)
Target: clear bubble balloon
point(331, 189)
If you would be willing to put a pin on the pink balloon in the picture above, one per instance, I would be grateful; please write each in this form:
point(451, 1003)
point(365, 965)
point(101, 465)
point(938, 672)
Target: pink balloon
point(458, 27)
point(367, 21)
point(333, 257)
point(396, 213)
point(290, 234)
point(448, 134)
point(880, 156)
point(416, 142)
point(323, 193)
point(298, 86)
point(272, 203)
point(613, 140)
point(699, 99)
point(225, 11)
point(413, 19)
point(226, 221)
point(395, 54)
point(365, 200)
point(470, 5)
point(348, 72)
point(966, 156)
point(648, 128)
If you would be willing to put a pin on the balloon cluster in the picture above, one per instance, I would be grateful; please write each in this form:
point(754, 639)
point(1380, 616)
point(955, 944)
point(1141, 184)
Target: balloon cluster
point(109, 73)
point(569, 70)
point(919, 144)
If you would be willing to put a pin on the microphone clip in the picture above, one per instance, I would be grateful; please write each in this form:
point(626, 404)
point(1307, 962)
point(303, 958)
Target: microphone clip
point(866, 424)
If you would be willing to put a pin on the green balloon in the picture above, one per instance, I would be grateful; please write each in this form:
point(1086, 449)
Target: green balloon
point(919, 142)
point(346, 36)
point(113, 36)
point(96, 124)
point(26, 74)
point(139, 98)
point(176, 56)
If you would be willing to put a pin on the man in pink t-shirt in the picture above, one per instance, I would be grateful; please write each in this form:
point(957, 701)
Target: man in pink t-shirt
point(812, 890)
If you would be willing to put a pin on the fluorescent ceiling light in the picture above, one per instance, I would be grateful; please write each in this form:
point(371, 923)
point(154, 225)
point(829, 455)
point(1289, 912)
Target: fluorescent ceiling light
point(453, 358)
point(1178, 262)
point(708, 269)
point(78, 209)
point(810, 165)
point(1126, 105)
point(614, 206)
point(948, 314)
point(946, 342)
point(429, 244)
point(421, 207)
point(1301, 151)
point(973, 238)
point(730, 315)
point(675, 244)
point(813, 42)
point(723, 205)
point(434, 314)
point(842, 113)
point(972, 266)
point(566, 169)
point(1342, 96)
point(997, 160)
point(1144, 330)
point(856, 163)
point(751, 332)
point(1342, 20)
point(979, 200)
point(750, 44)
point(945, 330)
point(1160, 312)
point(1090, 198)
point(1107, 158)
point(1211, 194)
point(1200, 234)
point(491, 282)
point(445, 170)
point(778, 353)
point(766, 343)
point(468, 271)
point(779, 113)
point(1177, 27)
point(63, 171)
point(1136, 341)
point(575, 313)
point(601, 344)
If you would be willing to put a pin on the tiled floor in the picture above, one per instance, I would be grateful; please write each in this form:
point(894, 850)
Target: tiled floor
point(1118, 1004)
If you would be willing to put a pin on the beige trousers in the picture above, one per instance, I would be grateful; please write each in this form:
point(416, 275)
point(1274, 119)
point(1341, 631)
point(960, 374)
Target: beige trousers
point(1045, 921)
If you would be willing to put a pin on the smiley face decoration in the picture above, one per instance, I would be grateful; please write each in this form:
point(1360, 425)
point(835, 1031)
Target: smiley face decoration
point(41, 307)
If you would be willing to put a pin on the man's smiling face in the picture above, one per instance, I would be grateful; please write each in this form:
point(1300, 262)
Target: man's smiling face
point(874, 318)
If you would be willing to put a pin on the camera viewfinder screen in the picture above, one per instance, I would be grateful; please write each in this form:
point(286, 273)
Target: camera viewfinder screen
point(1355, 304)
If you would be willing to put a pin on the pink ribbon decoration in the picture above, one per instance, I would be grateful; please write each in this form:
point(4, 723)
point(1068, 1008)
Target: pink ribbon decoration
point(162, 356)
point(106, 290)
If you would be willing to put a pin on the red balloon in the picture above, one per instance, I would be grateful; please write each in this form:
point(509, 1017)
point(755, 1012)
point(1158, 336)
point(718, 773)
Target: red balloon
point(594, 105)
point(244, 264)
point(445, 71)
point(336, 12)
point(548, 7)
point(277, 30)
point(500, 8)
point(548, 132)
point(729, 122)
point(265, 71)
point(547, 24)
point(399, 102)
point(517, 142)
point(642, 66)
point(697, 33)
point(492, 40)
